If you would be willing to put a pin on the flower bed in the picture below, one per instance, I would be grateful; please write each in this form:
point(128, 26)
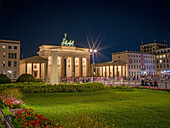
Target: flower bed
point(29, 119)
point(153, 88)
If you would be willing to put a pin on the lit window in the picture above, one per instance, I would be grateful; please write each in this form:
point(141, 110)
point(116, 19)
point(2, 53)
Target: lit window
point(3, 46)
point(160, 61)
point(3, 54)
point(163, 56)
point(3, 63)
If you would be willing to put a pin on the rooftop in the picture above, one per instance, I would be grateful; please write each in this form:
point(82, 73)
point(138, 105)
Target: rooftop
point(9, 41)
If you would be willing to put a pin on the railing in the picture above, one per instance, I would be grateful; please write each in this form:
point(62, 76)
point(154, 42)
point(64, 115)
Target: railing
point(6, 120)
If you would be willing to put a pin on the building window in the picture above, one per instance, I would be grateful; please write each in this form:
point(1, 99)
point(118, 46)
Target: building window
point(157, 66)
point(9, 55)
point(129, 73)
point(167, 65)
point(15, 64)
point(130, 60)
point(9, 63)
point(129, 66)
point(15, 47)
point(160, 61)
point(9, 47)
point(15, 55)
point(160, 65)
point(3, 54)
point(164, 65)
point(3, 46)
point(3, 63)
point(134, 67)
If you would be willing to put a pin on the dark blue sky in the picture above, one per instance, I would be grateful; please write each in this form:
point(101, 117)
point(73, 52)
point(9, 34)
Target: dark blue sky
point(122, 24)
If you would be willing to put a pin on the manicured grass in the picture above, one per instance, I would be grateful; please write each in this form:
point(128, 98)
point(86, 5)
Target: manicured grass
point(126, 108)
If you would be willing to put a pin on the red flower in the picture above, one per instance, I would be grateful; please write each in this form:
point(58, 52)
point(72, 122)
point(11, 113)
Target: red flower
point(8, 102)
point(30, 122)
point(62, 125)
point(16, 116)
point(45, 119)
point(41, 115)
point(24, 125)
point(31, 109)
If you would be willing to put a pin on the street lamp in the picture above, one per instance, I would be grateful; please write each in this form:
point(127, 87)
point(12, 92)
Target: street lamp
point(93, 51)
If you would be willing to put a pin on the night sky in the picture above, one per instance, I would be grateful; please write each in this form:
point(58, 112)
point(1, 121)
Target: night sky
point(119, 24)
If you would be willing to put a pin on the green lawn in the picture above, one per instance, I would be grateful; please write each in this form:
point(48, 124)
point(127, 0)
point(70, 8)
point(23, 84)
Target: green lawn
point(126, 108)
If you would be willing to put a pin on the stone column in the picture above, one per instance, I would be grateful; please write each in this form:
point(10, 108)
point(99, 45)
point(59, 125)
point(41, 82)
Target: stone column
point(125, 70)
point(121, 70)
point(73, 66)
point(117, 71)
point(80, 67)
point(109, 70)
point(87, 66)
point(46, 71)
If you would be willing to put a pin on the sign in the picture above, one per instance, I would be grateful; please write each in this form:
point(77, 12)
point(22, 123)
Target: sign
point(66, 42)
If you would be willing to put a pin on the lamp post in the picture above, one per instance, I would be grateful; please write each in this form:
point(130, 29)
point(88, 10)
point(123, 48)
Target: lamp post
point(93, 51)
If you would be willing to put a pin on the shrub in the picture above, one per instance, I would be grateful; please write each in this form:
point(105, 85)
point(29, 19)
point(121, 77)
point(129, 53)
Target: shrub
point(4, 79)
point(42, 88)
point(12, 92)
point(11, 98)
point(26, 78)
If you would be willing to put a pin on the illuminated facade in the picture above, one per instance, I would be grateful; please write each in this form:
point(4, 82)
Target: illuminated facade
point(151, 48)
point(115, 68)
point(137, 64)
point(9, 58)
point(162, 61)
point(70, 61)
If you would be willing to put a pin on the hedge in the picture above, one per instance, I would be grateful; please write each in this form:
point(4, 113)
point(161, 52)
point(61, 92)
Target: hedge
point(42, 88)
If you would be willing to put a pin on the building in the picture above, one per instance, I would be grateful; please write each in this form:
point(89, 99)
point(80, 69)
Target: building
point(64, 61)
point(162, 61)
point(137, 64)
point(127, 64)
point(151, 48)
point(9, 58)
point(36, 65)
point(116, 68)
